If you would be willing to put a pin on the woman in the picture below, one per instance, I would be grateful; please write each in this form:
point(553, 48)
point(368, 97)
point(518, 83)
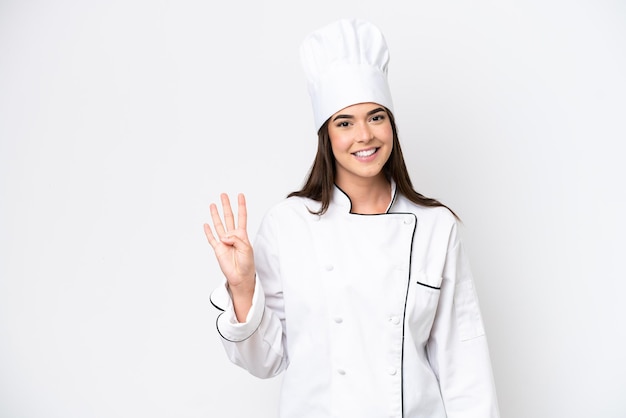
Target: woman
point(358, 287)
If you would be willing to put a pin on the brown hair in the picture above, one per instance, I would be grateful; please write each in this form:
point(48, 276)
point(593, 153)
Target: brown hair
point(321, 178)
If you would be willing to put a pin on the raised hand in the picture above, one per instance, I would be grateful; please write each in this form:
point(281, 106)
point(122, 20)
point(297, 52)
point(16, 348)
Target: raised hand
point(233, 251)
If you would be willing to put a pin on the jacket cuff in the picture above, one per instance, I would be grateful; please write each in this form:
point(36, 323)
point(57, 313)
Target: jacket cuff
point(227, 325)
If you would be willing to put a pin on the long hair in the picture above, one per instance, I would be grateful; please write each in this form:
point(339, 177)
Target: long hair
point(320, 182)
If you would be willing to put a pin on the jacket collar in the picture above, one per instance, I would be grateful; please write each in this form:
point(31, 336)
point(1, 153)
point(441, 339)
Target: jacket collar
point(341, 203)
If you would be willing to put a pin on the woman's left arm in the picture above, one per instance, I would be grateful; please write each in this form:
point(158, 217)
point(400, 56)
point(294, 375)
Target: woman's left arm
point(457, 347)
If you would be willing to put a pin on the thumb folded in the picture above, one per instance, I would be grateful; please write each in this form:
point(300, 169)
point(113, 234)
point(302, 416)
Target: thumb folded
point(232, 240)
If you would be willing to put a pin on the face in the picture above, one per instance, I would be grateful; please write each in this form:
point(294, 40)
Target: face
point(361, 138)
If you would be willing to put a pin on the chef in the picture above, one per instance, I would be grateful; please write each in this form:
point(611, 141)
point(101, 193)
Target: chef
point(357, 287)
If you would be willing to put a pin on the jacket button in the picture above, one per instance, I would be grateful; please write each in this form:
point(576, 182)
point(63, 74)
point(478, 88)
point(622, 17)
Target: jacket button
point(392, 371)
point(338, 319)
point(341, 371)
point(394, 320)
point(408, 221)
point(328, 267)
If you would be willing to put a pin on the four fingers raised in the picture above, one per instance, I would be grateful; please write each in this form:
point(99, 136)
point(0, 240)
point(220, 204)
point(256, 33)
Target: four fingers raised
point(225, 229)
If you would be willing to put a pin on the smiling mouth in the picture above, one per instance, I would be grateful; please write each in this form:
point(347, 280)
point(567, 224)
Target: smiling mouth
point(365, 153)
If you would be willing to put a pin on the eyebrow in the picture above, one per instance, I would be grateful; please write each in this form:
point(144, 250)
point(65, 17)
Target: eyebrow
point(371, 112)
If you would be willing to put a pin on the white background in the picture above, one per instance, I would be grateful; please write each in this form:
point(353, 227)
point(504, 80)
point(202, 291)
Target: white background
point(120, 121)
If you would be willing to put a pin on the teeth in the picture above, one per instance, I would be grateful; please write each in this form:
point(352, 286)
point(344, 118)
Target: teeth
point(365, 153)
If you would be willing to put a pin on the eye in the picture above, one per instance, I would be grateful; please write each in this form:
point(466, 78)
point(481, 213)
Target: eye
point(378, 117)
point(343, 124)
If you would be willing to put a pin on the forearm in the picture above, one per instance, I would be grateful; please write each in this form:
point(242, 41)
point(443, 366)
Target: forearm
point(255, 343)
point(242, 296)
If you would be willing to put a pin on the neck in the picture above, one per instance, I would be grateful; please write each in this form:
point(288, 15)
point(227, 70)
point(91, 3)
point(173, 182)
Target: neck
point(367, 196)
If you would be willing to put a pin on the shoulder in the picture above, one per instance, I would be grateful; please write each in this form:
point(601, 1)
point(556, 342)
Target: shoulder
point(293, 205)
point(285, 220)
point(438, 215)
point(291, 210)
point(437, 225)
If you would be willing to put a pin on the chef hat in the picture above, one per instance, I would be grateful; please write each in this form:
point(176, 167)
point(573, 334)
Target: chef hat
point(345, 63)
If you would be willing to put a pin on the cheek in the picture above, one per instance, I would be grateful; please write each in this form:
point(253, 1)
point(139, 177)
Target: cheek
point(334, 149)
point(388, 135)
point(385, 136)
point(339, 143)
point(388, 140)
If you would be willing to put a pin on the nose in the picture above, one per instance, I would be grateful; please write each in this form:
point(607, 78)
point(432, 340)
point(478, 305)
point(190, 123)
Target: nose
point(364, 133)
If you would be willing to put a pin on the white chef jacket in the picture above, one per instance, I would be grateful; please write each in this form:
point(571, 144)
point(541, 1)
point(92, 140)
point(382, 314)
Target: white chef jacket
point(367, 315)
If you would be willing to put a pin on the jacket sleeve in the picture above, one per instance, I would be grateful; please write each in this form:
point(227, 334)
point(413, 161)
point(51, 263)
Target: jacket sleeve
point(457, 346)
point(258, 344)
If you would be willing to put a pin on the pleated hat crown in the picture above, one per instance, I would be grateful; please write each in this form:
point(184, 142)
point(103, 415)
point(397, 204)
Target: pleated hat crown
point(345, 63)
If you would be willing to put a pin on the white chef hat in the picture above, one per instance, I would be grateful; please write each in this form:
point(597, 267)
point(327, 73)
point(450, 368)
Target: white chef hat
point(345, 63)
